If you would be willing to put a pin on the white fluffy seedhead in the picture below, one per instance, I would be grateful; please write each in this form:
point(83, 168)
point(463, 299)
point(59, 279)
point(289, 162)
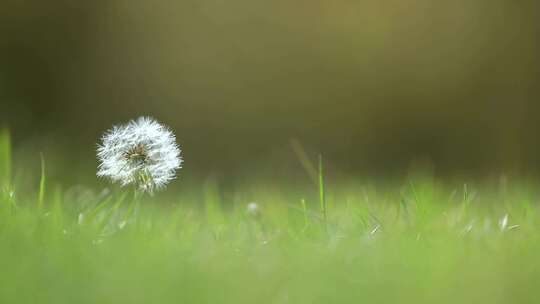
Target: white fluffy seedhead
point(143, 153)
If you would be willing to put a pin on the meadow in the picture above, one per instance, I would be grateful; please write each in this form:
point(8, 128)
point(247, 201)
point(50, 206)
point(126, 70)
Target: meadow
point(419, 241)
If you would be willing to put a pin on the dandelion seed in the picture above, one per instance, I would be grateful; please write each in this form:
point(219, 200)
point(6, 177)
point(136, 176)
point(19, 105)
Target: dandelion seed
point(513, 227)
point(253, 209)
point(122, 224)
point(80, 219)
point(143, 153)
point(374, 230)
point(467, 229)
point(503, 223)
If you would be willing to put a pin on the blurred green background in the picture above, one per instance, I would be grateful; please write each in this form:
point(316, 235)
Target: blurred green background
point(377, 87)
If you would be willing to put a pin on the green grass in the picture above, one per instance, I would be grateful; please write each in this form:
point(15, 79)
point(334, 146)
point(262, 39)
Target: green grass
point(422, 242)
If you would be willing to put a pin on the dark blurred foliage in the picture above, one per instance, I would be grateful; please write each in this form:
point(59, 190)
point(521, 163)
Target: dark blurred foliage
point(374, 86)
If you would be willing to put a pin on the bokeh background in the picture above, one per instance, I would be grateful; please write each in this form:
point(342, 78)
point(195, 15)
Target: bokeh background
point(377, 87)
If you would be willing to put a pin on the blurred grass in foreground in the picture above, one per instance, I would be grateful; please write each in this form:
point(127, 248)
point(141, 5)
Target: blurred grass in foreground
point(420, 243)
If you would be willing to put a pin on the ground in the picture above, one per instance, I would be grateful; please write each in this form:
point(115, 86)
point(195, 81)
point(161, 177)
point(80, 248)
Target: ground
point(421, 241)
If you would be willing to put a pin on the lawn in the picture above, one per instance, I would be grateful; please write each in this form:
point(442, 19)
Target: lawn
point(422, 241)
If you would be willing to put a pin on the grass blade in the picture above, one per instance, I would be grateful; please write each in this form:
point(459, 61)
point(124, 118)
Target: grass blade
point(5, 159)
point(304, 160)
point(322, 196)
point(41, 195)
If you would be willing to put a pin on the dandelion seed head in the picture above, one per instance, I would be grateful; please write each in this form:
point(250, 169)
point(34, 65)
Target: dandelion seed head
point(142, 152)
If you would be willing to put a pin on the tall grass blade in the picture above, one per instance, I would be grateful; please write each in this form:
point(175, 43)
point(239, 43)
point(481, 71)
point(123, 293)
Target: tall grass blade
point(212, 204)
point(42, 183)
point(322, 195)
point(305, 213)
point(304, 160)
point(5, 159)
